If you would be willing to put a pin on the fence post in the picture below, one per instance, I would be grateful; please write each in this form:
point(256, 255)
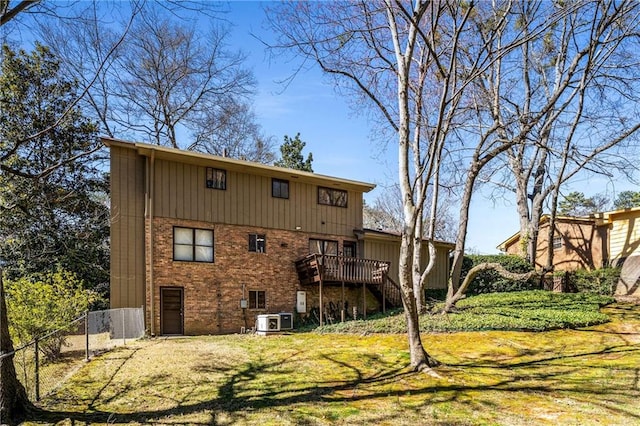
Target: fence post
point(37, 372)
point(86, 335)
point(124, 341)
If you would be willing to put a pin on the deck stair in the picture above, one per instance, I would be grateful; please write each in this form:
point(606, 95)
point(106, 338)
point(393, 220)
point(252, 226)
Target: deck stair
point(334, 270)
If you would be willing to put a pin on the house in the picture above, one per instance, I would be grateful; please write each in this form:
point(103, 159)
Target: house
point(206, 244)
point(578, 243)
point(603, 239)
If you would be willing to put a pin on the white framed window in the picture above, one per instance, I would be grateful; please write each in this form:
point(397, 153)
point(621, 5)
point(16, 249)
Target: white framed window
point(192, 244)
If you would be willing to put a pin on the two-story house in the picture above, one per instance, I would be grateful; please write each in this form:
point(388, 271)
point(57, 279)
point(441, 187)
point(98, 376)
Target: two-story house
point(206, 243)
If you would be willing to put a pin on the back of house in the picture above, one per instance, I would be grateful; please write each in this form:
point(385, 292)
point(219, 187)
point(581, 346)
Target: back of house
point(207, 244)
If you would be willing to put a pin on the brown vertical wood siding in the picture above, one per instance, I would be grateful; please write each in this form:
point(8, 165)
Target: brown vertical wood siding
point(181, 193)
point(127, 229)
point(389, 249)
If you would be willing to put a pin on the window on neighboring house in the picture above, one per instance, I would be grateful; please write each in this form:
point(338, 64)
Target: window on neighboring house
point(279, 188)
point(557, 243)
point(257, 243)
point(257, 299)
point(192, 245)
point(332, 197)
point(216, 178)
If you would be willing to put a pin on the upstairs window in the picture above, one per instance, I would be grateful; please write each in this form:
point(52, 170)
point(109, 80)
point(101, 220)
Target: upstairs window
point(216, 178)
point(332, 197)
point(257, 243)
point(279, 188)
point(257, 299)
point(192, 245)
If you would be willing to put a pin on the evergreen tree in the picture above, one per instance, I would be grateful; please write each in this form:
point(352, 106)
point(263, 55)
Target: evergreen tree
point(577, 204)
point(291, 155)
point(627, 200)
point(52, 203)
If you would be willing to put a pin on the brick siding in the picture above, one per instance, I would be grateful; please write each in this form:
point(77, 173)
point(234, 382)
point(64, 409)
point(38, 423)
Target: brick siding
point(212, 291)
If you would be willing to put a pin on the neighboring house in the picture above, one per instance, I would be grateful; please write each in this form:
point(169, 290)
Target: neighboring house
point(206, 244)
point(578, 243)
point(603, 239)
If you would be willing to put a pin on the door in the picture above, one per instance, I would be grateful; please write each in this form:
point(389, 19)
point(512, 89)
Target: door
point(349, 248)
point(171, 312)
point(350, 263)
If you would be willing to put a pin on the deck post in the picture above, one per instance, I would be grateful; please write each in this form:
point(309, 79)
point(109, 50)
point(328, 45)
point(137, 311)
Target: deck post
point(364, 300)
point(384, 292)
point(321, 304)
point(342, 307)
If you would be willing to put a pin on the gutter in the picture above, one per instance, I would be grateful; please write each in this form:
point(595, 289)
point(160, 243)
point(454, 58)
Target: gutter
point(150, 192)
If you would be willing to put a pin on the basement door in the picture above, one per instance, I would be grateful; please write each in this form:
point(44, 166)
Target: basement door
point(171, 311)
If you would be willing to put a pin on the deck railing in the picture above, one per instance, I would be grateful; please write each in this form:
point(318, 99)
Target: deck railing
point(327, 267)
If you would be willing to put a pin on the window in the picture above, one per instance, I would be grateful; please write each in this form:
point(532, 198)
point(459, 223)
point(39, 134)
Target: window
point(332, 197)
point(557, 243)
point(349, 248)
point(323, 247)
point(257, 243)
point(192, 245)
point(279, 188)
point(257, 299)
point(216, 178)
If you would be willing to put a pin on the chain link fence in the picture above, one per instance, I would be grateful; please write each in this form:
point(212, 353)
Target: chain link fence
point(45, 363)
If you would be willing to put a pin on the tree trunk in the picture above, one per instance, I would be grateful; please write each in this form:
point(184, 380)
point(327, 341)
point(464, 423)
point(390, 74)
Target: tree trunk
point(420, 359)
point(13, 398)
point(450, 303)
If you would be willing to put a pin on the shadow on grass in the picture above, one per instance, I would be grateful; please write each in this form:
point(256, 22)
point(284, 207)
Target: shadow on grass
point(267, 382)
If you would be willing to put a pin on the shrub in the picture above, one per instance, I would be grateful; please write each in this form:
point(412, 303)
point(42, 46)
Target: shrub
point(599, 281)
point(491, 281)
point(39, 304)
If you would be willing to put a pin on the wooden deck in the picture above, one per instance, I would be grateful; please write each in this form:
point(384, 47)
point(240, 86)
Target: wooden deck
point(317, 269)
point(330, 268)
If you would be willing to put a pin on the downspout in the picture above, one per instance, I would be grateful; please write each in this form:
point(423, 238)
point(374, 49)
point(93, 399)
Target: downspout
point(150, 211)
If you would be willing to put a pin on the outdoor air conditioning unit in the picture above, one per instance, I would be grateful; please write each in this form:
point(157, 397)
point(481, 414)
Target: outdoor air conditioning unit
point(268, 323)
point(286, 321)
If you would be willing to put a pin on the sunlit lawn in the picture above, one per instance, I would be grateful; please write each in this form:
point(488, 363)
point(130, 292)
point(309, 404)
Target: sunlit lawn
point(588, 376)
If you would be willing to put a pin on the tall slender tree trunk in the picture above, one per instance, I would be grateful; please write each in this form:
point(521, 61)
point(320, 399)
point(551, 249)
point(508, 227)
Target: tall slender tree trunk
point(13, 398)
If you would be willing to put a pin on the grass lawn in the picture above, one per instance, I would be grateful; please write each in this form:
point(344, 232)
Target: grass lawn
point(570, 377)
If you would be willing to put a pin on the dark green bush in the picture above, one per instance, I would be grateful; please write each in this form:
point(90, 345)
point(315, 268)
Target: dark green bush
point(599, 281)
point(435, 293)
point(491, 281)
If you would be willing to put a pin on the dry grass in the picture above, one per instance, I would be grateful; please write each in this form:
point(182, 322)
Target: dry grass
point(579, 377)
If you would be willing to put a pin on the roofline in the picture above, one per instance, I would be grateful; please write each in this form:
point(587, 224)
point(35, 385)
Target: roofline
point(544, 219)
point(395, 236)
point(607, 215)
point(202, 159)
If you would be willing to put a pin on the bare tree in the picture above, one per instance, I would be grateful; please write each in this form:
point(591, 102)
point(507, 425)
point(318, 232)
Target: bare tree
point(170, 75)
point(230, 129)
point(171, 82)
point(413, 63)
point(386, 214)
point(569, 97)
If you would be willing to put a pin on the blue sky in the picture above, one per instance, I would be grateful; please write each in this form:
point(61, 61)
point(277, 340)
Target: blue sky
point(340, 139)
